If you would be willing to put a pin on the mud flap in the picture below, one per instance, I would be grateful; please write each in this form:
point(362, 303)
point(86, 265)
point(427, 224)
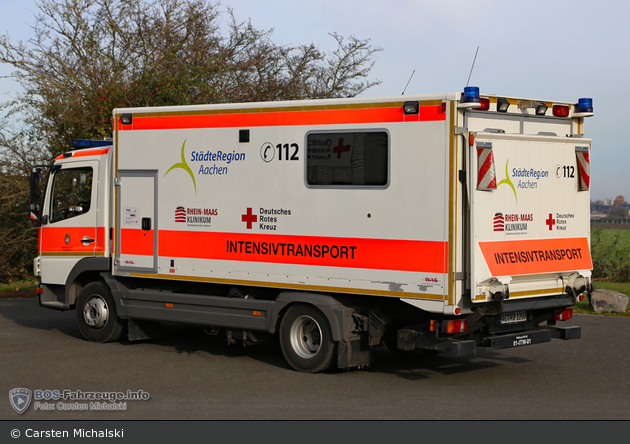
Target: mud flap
point(354, 353)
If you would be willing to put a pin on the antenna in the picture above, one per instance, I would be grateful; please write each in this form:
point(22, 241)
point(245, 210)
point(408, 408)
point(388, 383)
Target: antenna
point(473, 65)
point(403, 93)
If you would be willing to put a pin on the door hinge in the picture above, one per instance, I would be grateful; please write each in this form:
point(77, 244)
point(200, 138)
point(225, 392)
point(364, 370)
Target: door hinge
point(458, 276)
point(116, 182)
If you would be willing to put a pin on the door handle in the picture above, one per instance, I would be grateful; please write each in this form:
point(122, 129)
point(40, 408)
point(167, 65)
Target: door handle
point(87, 240)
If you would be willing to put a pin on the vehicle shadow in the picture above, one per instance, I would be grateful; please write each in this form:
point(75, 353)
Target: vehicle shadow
point(192, 340)
point(26, 313)
point(417, 366)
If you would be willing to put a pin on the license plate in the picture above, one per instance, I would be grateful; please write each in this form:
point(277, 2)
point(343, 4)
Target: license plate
point(512, 318)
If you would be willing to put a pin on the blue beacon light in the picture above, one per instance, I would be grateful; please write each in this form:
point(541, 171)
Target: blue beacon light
point(585, 105)
point(471, 95)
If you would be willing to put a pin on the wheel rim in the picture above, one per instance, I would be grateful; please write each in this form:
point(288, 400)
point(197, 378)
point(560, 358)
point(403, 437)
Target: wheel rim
point(306, 337)
point(95, 312)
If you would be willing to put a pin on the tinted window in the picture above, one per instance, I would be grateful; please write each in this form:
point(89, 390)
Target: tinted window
point(352, 158)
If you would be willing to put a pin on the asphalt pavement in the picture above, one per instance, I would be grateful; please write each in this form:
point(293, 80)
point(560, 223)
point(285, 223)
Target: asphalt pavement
point(187, 374)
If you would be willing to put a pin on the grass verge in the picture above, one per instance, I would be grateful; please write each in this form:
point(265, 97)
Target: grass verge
point(25, 285)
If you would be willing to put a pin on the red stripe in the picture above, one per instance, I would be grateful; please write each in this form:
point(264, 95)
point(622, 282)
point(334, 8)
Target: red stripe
point(377, 254)
point(285, 118)
point(84, 153)
point(52, 239)
point(136, 241)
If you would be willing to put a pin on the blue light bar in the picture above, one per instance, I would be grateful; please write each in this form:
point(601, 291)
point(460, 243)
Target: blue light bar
point(585, 105)
point(471, 95)
point(87, 143)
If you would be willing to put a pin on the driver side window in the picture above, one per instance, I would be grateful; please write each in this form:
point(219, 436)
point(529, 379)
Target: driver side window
point(72, 193)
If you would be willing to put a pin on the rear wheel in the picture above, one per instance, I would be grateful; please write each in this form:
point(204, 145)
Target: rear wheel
point(96, 314)
point(306, 340)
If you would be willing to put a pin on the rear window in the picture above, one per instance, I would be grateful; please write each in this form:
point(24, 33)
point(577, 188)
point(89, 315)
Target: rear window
point(358, 158)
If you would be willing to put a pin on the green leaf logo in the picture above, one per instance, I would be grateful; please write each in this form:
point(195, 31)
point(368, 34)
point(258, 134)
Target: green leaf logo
point(184, 166)
point(504, 181)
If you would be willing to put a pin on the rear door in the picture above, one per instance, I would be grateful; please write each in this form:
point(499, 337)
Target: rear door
point(529, 214)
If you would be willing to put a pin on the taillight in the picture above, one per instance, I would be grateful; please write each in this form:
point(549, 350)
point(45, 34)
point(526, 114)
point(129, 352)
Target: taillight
point(457, 326)
point(566, 314)
point(561, 110)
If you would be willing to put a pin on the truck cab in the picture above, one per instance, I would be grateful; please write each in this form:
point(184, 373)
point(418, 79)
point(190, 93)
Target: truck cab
point(73, 234)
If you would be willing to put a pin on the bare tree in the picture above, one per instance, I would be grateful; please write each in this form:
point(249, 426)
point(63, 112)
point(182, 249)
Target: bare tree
point(87, 57)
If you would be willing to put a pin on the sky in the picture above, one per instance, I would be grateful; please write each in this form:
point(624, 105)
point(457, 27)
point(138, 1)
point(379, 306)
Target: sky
point(539, 49)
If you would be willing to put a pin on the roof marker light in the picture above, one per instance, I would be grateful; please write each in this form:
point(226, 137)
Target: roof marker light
point(485, 105)
point(502, 105)
point(560, 110)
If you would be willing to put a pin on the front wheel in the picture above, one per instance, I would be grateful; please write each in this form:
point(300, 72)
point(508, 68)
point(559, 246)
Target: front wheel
point(96, 314)
point(306, 340)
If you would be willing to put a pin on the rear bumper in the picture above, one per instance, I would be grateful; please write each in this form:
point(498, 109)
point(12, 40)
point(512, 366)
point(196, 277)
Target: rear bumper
point(410, 340)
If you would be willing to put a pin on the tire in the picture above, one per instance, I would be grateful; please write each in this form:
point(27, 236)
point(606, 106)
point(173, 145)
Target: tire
point(306, 339)
point(96, 314)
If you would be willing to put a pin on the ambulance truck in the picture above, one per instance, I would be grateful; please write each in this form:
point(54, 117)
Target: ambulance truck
point(442, 222)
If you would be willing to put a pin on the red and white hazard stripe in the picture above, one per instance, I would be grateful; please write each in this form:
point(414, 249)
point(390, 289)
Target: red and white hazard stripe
point(584, 166)
point(486, 177)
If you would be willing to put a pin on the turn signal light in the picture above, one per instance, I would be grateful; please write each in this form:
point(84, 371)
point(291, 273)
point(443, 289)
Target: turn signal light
point(457, 326)
point(566, 314)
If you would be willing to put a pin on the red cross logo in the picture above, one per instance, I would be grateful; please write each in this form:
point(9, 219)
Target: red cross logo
point(340, 149)
point(551, 222)
point(249, 218)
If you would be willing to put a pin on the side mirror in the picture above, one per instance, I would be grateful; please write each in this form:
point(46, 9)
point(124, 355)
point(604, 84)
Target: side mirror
point(36, 194)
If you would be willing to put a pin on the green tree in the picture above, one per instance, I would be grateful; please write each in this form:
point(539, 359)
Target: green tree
point(87, 57)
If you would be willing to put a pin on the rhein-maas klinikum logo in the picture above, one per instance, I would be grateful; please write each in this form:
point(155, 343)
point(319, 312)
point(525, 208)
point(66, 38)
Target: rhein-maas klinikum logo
point(20, 399)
